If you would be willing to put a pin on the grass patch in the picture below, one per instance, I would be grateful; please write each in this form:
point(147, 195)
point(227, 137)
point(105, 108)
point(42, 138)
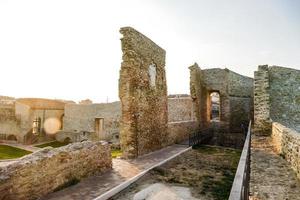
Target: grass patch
point(219, 189)
point(8, 152)
point(116, 153)
point(54, 144)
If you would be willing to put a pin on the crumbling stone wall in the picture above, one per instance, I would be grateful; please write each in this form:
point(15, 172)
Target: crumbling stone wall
point(286, 142)
point(143, 94)
point(80, 118)
point(9, 123)
point(262, 122)
point(180, 131)
point(277, 98)
point(199, 96)
point(42, 172)
point(235, 97)
point(180, 109)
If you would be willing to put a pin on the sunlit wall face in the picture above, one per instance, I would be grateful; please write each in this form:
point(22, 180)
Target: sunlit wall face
point(52, 125)
point(71, 49)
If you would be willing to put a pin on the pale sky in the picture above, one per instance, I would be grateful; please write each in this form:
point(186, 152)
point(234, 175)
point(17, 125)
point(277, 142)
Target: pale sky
point(68, 49)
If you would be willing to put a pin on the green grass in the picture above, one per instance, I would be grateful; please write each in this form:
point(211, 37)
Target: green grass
point(54, 144)
point(116, 153)
point(220, 188)
point(8, 152)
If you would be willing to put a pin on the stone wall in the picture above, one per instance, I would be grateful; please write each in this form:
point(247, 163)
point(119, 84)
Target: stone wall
point(262, 123)
point(285, 96)
point(277, 98)
point(180, 109)
point(143, 94)
point(179, 131)
point(42, 172)
point(9, 123)
point(236, 95)
point(79, 118)
point(286, 142)
point(199, 96)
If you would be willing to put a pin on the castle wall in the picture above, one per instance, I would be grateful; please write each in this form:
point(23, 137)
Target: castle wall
point(79, 117)
point(42, 172)
point(180, 109)
point(276, 98)
point(236, 95)
point(9, 123)
point(143, 94)
point(286, 142)
point(285, 96)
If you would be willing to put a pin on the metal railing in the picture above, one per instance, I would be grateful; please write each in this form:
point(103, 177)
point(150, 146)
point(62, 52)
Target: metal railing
point(240, 186)
point(200, 137)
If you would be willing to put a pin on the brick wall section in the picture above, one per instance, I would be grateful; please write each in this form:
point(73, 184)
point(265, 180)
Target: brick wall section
point(42, 172)
point(287, 143)
point(144, 118)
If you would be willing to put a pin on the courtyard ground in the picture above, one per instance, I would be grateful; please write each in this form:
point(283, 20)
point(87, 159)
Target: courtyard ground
point(9, 152)
point(206, 172)
point(54, 144)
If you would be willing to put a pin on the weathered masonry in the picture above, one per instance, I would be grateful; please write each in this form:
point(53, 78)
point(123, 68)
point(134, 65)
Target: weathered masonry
point(25, 120)
point(235, 96)
point(235, 93)
point(277, 98)
point(90, 122)
point(49, 169)
point(143, 94)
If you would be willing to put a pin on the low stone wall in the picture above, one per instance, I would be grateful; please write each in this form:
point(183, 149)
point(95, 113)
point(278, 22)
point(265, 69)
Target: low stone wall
point(286, 142)
point(179, 131)
point(42, 172)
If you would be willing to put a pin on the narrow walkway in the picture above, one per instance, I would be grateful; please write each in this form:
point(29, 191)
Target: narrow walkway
point(123, 170)
point(271, 176)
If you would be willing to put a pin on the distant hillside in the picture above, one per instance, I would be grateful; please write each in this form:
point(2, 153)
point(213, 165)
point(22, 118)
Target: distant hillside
point(7, 100)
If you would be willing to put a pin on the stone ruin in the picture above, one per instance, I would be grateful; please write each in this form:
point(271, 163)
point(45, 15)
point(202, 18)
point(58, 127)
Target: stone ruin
point(148, 120)
point(143, 94)
point(276, 98)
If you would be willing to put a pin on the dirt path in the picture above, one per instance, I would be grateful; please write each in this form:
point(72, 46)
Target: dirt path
point(271, 176)
point(204, 173)
point(123, 170)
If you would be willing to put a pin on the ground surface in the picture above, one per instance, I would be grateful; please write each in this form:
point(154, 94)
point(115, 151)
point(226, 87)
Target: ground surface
point(116, 153)
point(9, 152)
point(123, 170)
point(271, 175)
point(206, 172)
point(54, 144)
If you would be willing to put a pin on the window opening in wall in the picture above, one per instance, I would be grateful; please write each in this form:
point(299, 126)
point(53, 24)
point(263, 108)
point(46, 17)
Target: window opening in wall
point(99, 127)
point(36, 126)
point(215, 106)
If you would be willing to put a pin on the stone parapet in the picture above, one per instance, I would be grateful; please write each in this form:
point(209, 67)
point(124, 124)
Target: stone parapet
point(49, 169)
point(286, 142)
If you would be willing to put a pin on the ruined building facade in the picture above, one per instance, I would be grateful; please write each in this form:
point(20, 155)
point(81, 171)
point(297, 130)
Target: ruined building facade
point(277, 98)
point(143, 94)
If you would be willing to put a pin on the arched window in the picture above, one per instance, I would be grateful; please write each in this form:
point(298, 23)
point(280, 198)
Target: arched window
point(215, 106)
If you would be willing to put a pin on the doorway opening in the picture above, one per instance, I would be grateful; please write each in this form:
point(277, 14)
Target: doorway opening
point(215, 106)
point(99, 127)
